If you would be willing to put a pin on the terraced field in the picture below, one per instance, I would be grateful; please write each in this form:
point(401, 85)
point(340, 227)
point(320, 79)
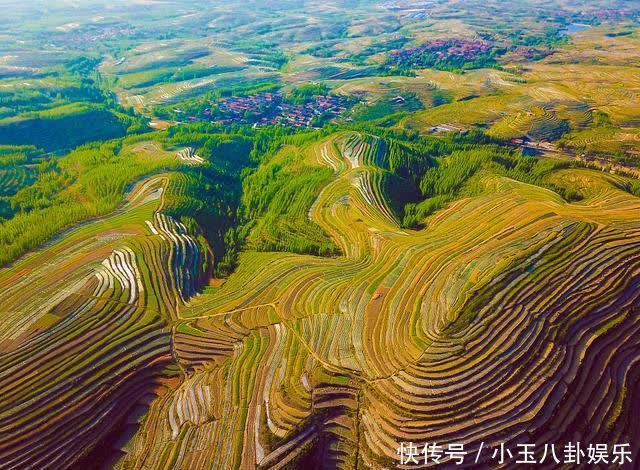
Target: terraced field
point(564, 93)
point(444, 255)
point(92, 342)
point(491, 325)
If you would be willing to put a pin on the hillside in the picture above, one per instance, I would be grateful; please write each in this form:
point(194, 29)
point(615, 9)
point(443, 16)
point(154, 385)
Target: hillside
point(319, 235)
point(66, 130)
point(422, 326)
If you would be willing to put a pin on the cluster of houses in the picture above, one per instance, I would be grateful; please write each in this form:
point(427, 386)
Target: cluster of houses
point(80, 36)
point(613, 13)
point(271, 108)
point(239, 106)
point(442, 49)
point(303, 115)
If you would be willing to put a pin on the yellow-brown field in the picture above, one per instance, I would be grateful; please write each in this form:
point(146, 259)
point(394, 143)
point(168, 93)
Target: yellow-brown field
point(594, 73)
point(301, 235)
point(512, 317)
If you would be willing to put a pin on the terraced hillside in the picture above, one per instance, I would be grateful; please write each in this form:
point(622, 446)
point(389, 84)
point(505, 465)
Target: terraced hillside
point(278, 234)
point(443, 335)
point(511, 318)
point(91, 341)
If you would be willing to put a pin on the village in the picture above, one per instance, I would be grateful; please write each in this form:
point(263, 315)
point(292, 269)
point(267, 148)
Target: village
point(270, 108)
point(437, 51)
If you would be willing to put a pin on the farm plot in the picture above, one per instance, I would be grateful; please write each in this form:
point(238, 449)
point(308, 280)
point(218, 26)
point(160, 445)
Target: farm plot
point(93, 341)
point(447, 334)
